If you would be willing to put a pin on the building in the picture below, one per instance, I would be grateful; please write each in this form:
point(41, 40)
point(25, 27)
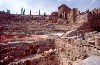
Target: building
point(63, 11)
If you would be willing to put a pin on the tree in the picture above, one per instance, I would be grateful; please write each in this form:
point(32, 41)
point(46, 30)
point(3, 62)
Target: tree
point(22, 10)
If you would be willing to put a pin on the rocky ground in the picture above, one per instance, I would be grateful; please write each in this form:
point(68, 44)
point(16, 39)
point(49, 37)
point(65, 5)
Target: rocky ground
point(54, 50)
point(41, 41)
point(21, 52)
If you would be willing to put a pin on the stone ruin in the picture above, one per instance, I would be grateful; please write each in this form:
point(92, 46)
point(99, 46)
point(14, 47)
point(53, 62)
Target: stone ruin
point(74, 16)
point(79, 41)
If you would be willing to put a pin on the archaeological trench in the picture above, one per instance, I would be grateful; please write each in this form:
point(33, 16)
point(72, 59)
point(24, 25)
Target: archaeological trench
point(66, 37)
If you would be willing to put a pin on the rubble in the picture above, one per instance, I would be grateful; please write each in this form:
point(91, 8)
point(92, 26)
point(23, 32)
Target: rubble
point(66, 37)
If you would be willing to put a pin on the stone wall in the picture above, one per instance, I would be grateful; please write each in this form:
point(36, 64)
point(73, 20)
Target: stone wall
point(91, 21)
point(63, 11)
point(11, 52)
point(82, 18)
point(74, 16)
point(68, 52)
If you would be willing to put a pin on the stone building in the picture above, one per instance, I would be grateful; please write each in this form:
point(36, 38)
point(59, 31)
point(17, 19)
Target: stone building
point(67, 14)
point(63, 11)
point(74, 15)
point(71, 15)
point(91, 19)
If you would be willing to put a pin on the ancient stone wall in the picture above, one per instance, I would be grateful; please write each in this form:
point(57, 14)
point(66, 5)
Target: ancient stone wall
point(63, 11)
point(10, 52)
point(82, 18)
point(74, 16)
point(91, 21)
point(71, 15)
point(68, 52)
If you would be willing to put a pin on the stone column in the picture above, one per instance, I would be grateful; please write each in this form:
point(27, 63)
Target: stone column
point(64, 15)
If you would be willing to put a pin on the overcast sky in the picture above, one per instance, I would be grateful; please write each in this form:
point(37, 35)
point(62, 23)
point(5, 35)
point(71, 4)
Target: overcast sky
point(47, 6)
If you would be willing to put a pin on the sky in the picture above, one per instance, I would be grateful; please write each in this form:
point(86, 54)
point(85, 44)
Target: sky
point(47, 6)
